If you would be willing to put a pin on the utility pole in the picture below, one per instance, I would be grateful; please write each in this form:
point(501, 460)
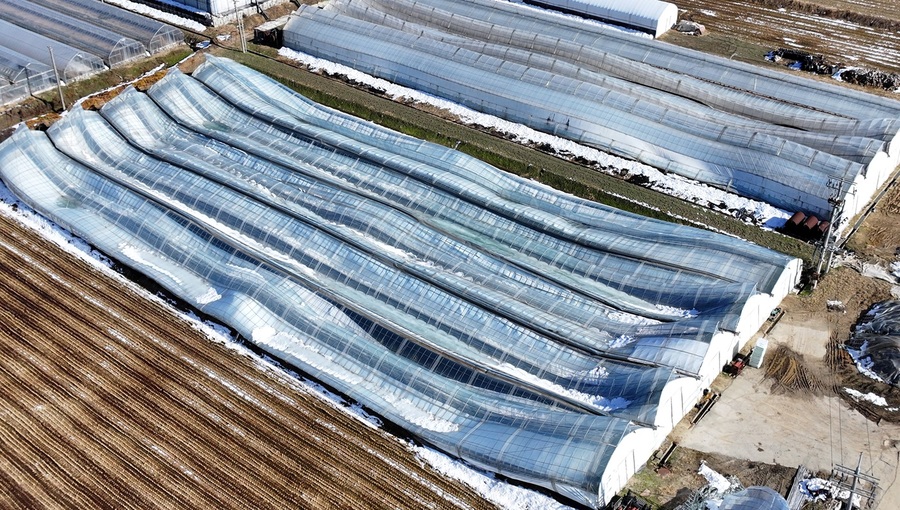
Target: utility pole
point(853, 486)
point(240, 26)
point(58, 82)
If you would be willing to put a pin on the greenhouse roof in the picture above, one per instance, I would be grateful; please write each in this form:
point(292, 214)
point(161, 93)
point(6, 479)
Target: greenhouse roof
point(154, 35)
point(650, 16)
point(530, 332)
point(71, 63)
point(114, 48)
point(795, 143)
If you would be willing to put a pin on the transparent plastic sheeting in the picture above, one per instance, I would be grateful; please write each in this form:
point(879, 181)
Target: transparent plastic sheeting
point(155, 36)
point(754, 498)
point(115, 49)
point(676, 110)
point(650, 16)
point(71, 63)
point(877, 338)
point(20, 76)
point(528, 332)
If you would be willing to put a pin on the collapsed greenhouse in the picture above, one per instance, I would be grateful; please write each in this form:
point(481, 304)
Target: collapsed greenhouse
point(795, 143)
point(550, 339)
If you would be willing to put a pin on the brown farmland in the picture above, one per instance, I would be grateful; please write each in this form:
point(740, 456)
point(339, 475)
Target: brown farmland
point(859, 34)
point(111, 400)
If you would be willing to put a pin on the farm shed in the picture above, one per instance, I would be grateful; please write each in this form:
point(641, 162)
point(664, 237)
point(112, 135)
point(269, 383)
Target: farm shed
point(786, 140)
point(370, 260)
point(155, 36)
point(649, 16)
point(113, 48)
point(71, 63)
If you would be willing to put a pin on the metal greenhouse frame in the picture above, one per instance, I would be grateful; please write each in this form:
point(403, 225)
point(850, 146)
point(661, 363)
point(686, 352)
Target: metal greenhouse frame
point(155, 36)
point(21, 77)
point(535, 334)
point(113, 48)
point(71, 63)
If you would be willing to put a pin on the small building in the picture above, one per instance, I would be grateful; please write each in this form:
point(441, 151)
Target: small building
point(271, 33)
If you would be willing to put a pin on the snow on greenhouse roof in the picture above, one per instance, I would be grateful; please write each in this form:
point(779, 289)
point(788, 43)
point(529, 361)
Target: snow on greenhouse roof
point(738, 127)
point(650, 16)
point(475, 309)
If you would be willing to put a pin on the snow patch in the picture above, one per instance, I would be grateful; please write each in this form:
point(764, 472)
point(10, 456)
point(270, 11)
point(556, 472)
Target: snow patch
point(715, 480)
point(208, 297)
point(157, 14)
point(868, 397)
point(497, 492)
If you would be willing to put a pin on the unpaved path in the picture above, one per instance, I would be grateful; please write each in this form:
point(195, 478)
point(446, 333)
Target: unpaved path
point(112, 400)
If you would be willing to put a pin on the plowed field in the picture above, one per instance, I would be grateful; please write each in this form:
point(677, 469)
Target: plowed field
point(848, 34)
point(110, 400)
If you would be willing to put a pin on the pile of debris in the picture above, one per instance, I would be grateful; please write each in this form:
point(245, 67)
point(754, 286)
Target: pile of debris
point(801, 60)
point(687, 26)
point(789, 373)
point(875, 343)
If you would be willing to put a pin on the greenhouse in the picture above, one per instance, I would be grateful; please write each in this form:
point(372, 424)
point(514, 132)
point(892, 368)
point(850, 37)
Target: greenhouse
point(20, 76)
point(155, 36)
point(113, 48)
point(650, 16)
point(795, 143)
point(71, 63)
point(550, 339)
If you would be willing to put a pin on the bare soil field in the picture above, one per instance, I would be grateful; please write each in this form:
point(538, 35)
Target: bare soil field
point(851, 37)
point(111, 400)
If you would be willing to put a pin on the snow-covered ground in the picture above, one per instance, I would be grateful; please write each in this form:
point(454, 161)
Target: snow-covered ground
point(500, 493)
point(157, 14)
point(686, 189)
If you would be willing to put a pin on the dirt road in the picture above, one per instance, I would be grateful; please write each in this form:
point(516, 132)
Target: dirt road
point(112, 400)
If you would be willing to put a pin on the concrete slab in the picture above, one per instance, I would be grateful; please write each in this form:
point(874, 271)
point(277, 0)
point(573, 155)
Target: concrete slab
point(749, 422)
point(807, 335)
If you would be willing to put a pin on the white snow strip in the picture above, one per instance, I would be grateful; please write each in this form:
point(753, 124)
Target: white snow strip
point(123, 85)
point(138, 256)
point(157, 14)
point(717, 481)
point(208, 297)
point(864, 363)
point(499, 493)
point(605, 404)
point(868, 397)
point(674, 185)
